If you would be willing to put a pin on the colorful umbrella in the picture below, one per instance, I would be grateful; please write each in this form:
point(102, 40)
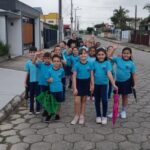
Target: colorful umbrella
point(115, 106)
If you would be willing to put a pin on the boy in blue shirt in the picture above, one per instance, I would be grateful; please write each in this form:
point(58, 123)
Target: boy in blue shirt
point(43, 66)
point(55, 75)
point(33, 80)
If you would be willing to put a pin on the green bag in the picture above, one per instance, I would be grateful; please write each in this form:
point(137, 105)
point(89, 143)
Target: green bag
point(49, 102)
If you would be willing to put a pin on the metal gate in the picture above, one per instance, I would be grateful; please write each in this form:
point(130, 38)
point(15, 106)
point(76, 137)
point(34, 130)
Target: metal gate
point(50, 37)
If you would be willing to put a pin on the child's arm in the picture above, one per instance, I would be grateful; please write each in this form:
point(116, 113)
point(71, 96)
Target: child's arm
point(26, 79)
point(134, 79)
point(36, 57)
point(75, 91)
point(109, 74)
point(92, 82)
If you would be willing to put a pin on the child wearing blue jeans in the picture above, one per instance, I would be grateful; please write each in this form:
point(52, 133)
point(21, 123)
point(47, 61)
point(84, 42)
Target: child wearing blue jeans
point(33, 80)
point(102, 74)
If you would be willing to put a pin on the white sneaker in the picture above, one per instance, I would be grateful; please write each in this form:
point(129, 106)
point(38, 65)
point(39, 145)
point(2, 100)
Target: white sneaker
point(104, 120)
point(98, 120)
point(111, 115)
point(81, 120)
point(123, 115)
point(75, 120)
point(93, 98)
point(88, 98)
point(37, 112)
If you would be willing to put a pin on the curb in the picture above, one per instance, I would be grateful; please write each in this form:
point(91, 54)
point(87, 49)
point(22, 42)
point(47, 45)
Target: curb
point(11, 106)
point(124, 44)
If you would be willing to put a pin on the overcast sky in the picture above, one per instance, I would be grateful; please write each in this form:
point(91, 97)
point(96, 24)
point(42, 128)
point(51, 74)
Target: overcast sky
point(91, 11)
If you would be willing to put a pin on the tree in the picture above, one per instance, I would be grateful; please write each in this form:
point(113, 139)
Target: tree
point(119, 18)
point(90, 30)
point(147, 6)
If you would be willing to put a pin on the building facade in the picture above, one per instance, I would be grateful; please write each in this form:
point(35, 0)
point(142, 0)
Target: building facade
point(20, 26)
point(51, 18)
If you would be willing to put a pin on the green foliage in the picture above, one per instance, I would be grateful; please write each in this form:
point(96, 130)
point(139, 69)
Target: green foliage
point(90, 30)
point(147, 6)
point(119, 18)
point(4, 49)
point(54, 27)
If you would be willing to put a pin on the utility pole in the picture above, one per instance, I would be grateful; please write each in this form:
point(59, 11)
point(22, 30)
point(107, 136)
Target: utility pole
point(60, 21)
point(75, 23)
point(71, 18)
point(135, 17)
point(135, 22)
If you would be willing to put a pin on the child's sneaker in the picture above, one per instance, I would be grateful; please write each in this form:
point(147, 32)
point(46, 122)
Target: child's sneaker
point(37, 112)
point(57, 117)
point(44, 114)
point(104, 120)
point(93, 98)
point(81, 120)
point(48, 118)
point(111, 115)
point(88, 98)
point(75, 120)
point(98, 120)
point(123, 115)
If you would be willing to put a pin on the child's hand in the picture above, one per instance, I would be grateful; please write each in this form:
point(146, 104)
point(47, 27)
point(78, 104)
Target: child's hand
point(115, 46)
point(115, 87)
point(50, 80)
point(75, 92)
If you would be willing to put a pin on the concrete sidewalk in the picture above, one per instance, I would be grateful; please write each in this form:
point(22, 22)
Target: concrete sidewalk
point(11, 89)
point(136, 46)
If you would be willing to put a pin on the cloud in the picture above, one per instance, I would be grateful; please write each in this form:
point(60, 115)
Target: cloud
point(92, 11)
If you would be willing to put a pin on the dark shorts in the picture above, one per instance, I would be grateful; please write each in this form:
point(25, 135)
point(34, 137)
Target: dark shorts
point(83, 87)
point(58, 96)
point(68, 71)
point(124, 88)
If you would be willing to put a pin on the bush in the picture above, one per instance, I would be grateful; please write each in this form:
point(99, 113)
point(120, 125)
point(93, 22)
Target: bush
point(4, 49)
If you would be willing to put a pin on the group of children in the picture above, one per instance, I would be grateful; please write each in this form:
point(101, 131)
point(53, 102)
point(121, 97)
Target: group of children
point(89, 70)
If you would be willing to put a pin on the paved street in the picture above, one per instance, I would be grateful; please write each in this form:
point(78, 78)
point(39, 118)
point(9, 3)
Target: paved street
point(21, 131)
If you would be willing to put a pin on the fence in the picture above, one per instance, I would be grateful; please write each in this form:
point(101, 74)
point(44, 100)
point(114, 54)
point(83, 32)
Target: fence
point(141, 37)
point(50, 37)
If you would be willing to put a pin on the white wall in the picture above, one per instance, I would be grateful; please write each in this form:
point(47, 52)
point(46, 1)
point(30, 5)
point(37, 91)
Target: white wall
point(3, 34)
point(37, 33)
point(126, 36)
point(15, 37)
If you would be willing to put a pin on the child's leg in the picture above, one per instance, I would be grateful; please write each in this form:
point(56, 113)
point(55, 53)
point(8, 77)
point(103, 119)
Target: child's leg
point(77, 105)
point(124, 102)
point(83, 105)
point(104, 99)
point(97, 100)
point(37, 89)
point(32, 96)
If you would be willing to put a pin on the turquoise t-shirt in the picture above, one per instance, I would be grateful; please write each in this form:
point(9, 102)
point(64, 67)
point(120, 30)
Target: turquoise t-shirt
point(83, 70)
point(32, 70)
point(100, 70)
point(57, 75)
point(72, 60)
point(124, 68)
point(43, 68)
